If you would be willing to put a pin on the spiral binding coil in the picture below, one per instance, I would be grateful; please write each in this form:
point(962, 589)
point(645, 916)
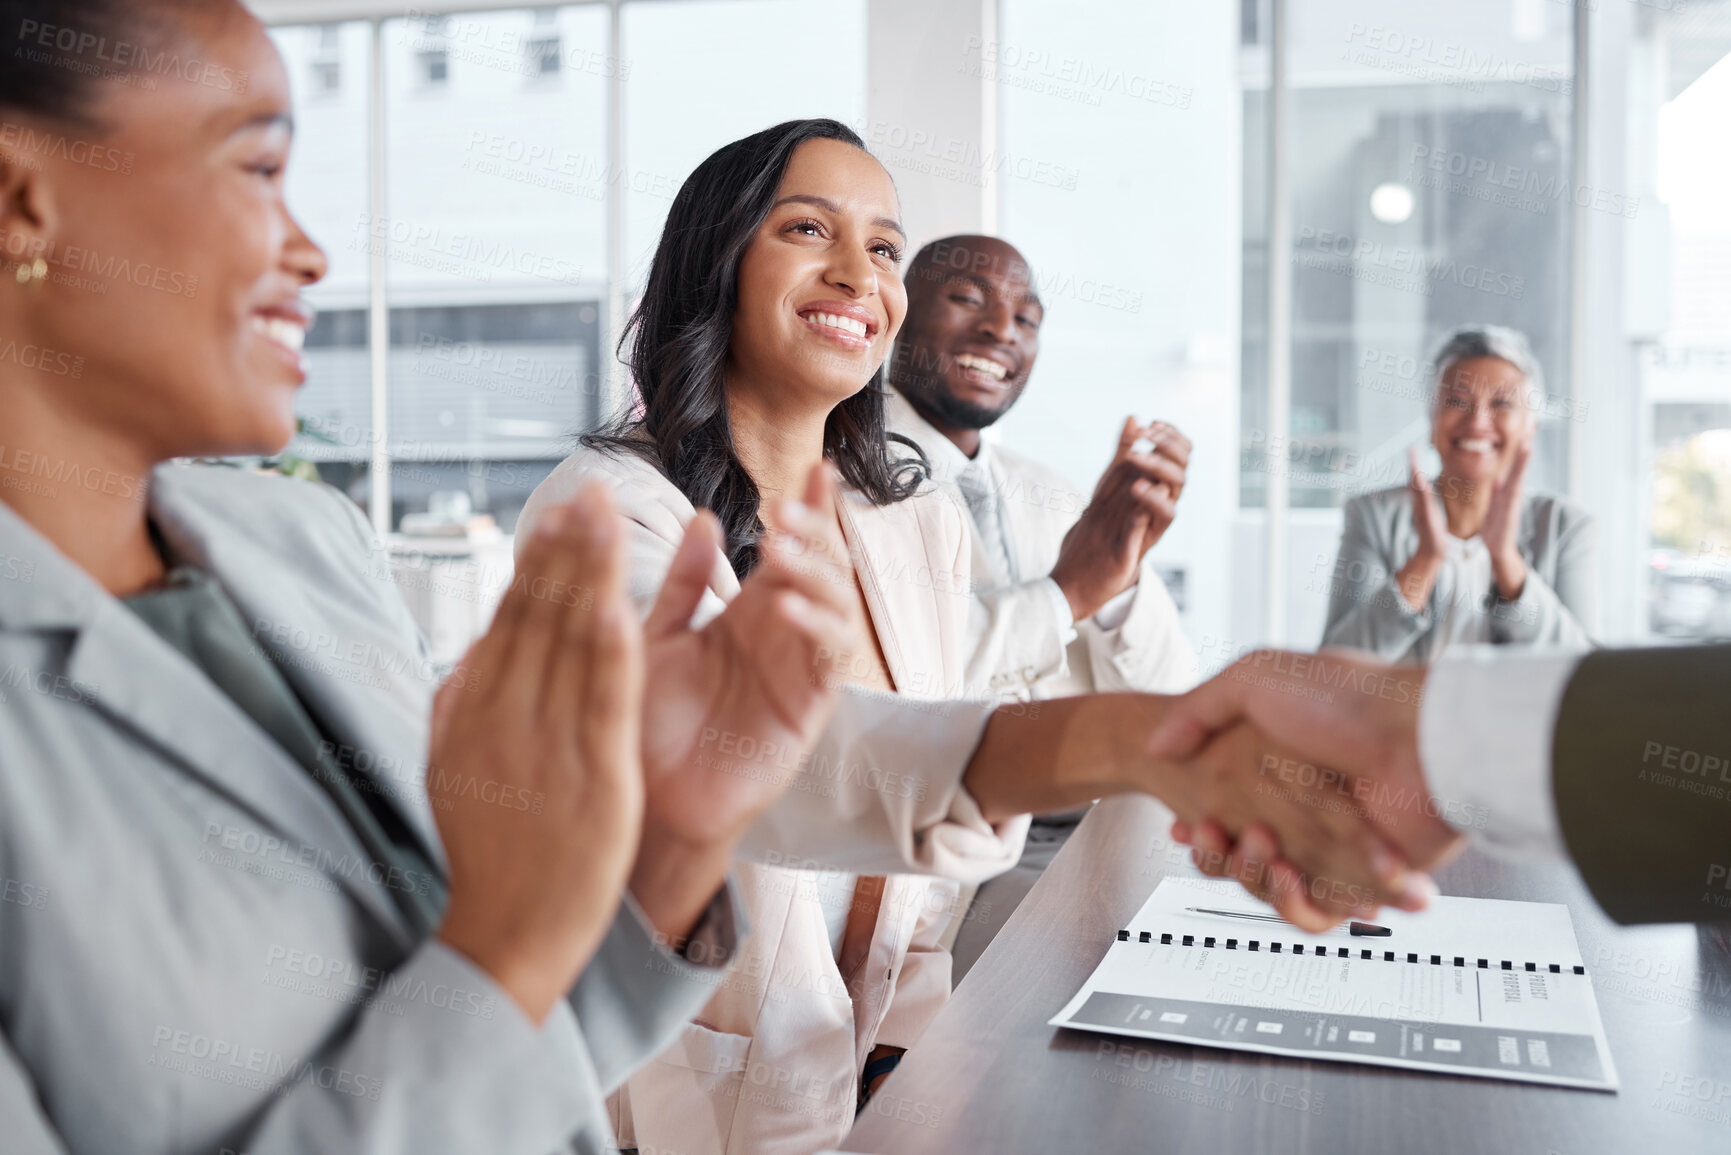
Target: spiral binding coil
point(1298, 948)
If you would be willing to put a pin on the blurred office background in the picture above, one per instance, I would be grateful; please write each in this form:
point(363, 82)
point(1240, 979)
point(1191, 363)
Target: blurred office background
point(490, 180)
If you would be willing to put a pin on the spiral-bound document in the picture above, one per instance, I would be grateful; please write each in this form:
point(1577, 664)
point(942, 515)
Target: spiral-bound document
point(1472, 986)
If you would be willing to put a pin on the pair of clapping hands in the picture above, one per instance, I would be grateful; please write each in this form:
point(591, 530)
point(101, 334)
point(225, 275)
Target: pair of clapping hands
point(599, 720)
point(1316, 799)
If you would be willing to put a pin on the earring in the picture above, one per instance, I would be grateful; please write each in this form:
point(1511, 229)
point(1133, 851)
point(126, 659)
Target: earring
point(32, 275)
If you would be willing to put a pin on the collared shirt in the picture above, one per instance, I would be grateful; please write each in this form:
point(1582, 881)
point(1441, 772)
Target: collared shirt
point(949, 464)
point(193, 614)
point(1485, 738)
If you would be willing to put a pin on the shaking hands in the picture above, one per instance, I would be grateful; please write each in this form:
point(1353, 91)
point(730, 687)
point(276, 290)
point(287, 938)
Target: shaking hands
point(1337, 745)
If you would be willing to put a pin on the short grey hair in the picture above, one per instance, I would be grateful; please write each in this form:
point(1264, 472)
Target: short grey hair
point(1497, 341)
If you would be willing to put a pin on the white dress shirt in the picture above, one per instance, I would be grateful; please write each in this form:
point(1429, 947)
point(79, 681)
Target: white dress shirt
point(981, 481)
point(1028, 646)
point(1484, 736)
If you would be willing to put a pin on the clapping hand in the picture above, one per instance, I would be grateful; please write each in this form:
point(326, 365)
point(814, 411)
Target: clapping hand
point(1427, 512)
point(1133, 505)
point(1418, 575)
point(533, 772)
point(732, 707)
point(1502, 524)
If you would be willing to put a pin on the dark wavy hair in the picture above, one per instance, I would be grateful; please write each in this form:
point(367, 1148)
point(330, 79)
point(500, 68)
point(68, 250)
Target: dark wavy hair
point(67, 84)
point(676, 346)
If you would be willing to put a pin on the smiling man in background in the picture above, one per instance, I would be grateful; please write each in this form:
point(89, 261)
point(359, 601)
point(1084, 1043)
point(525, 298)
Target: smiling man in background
point(1066, 601)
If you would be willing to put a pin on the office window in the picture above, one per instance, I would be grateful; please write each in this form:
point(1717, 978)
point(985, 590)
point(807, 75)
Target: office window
point(325, 70)
point(432, 55)
point(495, 234)
point(1684, 367)
point(1119, 184)
point(1252, 19)
point(496, 230)
point(1430, 187)
point(327, 190)
point(542, 52)
point(704, 72)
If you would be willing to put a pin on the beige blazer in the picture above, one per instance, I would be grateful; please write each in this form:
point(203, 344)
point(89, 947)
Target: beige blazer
point(772, 1064)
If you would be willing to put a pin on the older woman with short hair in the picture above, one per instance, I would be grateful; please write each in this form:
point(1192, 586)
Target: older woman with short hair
point(1469, 558)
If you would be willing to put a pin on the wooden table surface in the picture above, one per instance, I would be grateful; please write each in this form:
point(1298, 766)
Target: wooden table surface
point(990, 1076)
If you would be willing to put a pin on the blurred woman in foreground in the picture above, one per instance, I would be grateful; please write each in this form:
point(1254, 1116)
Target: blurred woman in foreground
point(216, 723)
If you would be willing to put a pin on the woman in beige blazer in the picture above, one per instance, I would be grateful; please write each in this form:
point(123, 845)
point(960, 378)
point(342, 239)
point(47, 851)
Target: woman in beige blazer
point(770, 305)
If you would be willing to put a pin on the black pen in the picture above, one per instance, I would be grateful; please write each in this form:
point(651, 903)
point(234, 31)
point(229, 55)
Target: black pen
point(1356, 929)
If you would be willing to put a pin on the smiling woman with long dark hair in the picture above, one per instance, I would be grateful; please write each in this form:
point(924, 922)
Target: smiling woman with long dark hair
point(757, 353)
point(681, 336)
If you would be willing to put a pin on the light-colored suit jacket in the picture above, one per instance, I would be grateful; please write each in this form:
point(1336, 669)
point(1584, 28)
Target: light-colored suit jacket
point(1367, 611)
point(771, 1065)
point(1022, 643)
point(196, 953)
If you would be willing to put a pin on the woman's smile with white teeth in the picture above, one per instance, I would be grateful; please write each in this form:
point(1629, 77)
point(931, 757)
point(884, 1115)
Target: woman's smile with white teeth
point(831, 321)
point(281, 330)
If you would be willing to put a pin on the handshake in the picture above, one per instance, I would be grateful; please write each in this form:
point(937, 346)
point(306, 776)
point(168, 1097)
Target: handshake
point(1306, 786)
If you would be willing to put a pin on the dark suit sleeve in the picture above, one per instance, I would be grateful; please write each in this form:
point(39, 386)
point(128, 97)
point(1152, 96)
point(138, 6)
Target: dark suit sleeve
point(1641, 763)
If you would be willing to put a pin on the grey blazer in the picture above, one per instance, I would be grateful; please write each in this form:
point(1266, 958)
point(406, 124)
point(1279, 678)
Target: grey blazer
point(195, 953)
point(1366, 610)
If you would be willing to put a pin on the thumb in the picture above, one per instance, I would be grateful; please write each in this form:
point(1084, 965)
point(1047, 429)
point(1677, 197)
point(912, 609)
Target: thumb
point(1193, 718)
point(1518, 467)
point(1127, 439)
point(445, 698)
point(820, 486)
point(687, 578)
